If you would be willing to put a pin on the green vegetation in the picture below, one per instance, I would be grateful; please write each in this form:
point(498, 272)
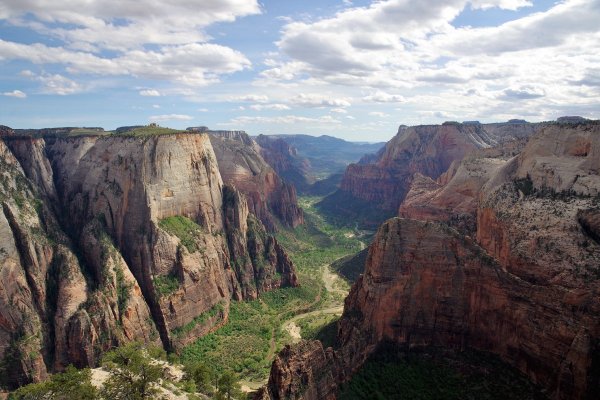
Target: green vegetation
point(321, 327)
point(317, 242)
point(150, 130)
point(256, 326)
point(352, 266)
point(344, 209)
point(438, 376)
point(134, 374)
point(164, 285)
point(217, 309)
point(123, 290)
point(69, 385)
point(184, 228)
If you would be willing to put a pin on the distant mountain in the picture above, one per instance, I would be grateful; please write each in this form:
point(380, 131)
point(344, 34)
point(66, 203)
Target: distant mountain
point(305, 160)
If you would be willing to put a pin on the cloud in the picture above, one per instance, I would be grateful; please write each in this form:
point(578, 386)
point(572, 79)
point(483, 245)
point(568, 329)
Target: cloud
point(255, 98)
point(15, 93)
point(339, 110)
point(504, 4)
point(149, 92)
point(125, 25)
point(58, 84)
point(523, 93)
point(316, 100)
point(276, 106)
point(170, 117)
point(153, 40)
point(285, 120)
point(195, 64)
point(378, 114)
point(383, 97)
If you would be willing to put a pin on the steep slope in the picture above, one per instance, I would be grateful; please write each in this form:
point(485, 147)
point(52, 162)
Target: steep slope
point(269, 198)
point(122, 238)
point(284, 159)
point(525, 285)
point(370, 193)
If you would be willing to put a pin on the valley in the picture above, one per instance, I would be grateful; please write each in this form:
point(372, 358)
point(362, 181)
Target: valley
point(262, 327)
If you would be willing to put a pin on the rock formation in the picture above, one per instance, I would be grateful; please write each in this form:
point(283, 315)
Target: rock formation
point(269, 198)
point(370, 193)
point(284, 159)
point(108, 239)
point(521, 281)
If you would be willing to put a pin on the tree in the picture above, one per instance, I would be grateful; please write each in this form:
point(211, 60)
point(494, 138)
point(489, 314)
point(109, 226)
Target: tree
point(201, 375)
point(229, 385)
point(73, 384)
point(134, 374)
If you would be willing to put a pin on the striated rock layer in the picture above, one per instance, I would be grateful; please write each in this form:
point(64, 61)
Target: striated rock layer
point(108, 239)
point(524, 284)
point(269, 198)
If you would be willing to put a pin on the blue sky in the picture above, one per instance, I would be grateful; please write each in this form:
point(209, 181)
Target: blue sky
point(352, 69)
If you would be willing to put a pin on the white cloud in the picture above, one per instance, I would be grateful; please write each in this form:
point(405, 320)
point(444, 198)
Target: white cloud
point(275, 106)
point(155, 106)
point(383, 97)
point(316, 100)
point(285, 119)
point(504, 4)
point(190, 64)
point(150, 92)
point(15, 93)
point(203, 109)
point(171, 117)
point(543, 59)
point(378, 114)
point(255, 98)
point(339, 110)
point(125, 25)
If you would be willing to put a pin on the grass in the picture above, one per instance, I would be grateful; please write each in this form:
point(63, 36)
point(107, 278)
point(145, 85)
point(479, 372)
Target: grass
point(165, 285)
point(184, 228)
point(247, 344)
point(147, 131)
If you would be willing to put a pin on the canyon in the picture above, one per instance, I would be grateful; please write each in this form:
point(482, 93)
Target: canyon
point(113, 238)
point(372, 190)
point(495, 249)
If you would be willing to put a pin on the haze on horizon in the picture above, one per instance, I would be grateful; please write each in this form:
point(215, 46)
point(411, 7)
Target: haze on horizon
point(351, 69)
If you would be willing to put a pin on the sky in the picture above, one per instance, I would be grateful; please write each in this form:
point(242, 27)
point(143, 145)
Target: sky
point(352, 69)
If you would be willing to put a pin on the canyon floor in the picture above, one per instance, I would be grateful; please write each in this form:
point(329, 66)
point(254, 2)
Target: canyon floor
point(258, 329)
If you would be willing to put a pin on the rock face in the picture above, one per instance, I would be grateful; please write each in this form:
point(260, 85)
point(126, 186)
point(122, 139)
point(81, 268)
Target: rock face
point(284, 159)
point(108, 239)
point(269, 198)
point(370, 193)
point(524, 285)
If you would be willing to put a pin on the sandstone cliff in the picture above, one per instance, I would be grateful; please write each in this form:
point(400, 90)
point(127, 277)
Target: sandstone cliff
point(284, 159)
point(370, 193)
point(269, 198)
point(521, 281)
point(116, 238)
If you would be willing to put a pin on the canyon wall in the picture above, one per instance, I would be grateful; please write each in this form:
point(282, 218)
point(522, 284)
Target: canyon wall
point(506, 260)
point(269, 198)
point(372, 192)
point(118, 238)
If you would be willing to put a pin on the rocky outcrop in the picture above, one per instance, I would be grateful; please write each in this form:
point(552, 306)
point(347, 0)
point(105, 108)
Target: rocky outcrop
point(305, 371)
point(108, 239)
point(373, 192)
point(269, 198)
point(525, 285)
